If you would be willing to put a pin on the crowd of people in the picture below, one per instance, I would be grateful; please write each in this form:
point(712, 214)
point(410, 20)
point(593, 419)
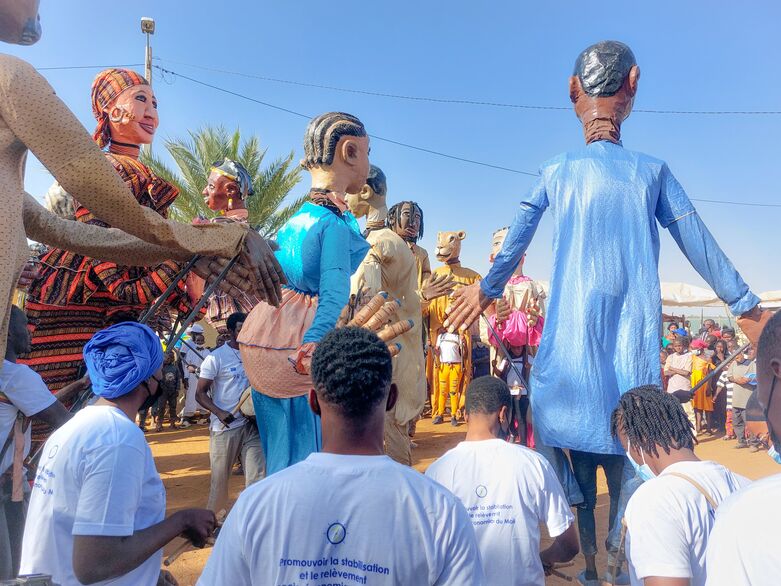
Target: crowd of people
point(713, 374)
point(335, 380)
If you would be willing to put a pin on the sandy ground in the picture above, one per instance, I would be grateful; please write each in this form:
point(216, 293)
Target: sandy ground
point(182, 458)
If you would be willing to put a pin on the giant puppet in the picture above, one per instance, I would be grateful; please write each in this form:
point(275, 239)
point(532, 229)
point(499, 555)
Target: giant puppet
point(227, 189)
point(448, 381)
point(601, 334)
point(320, 247)
point(518, 316)
point(32, 117)
point(74, 295)
point(391, 266)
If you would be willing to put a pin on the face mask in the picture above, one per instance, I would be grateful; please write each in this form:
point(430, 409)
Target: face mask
point(643, 471)
point(774, 454)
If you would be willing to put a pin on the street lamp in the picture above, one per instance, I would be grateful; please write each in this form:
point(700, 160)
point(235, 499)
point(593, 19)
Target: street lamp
point(148, 28)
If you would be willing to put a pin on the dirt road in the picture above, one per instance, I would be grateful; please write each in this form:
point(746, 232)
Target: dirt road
point(182, 458)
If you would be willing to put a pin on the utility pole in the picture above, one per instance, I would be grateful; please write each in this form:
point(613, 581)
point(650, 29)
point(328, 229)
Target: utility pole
point(148, 28)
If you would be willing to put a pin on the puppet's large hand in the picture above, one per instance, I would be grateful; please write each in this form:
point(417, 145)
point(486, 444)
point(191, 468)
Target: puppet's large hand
point(466, 306)
point(752, 322)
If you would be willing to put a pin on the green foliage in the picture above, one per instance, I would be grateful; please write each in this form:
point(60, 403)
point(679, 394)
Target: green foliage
point(194, 157)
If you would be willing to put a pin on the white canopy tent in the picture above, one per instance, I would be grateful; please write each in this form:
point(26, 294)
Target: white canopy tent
point(685, 295)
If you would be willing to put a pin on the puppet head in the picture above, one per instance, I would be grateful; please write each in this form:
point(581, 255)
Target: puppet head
point(336, 154)
point(602, 89)
point(125, 107)
point(449, 246)
point(20, 22)
point(496, 246)
point(371, 196)
point(227, 188)
point(406, 219)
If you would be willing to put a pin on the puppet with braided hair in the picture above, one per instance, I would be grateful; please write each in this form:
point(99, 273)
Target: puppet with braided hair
point(320, 247)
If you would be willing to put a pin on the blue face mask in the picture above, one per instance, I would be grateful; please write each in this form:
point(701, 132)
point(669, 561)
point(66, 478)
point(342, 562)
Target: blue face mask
point(643, 471)
point(774, 454)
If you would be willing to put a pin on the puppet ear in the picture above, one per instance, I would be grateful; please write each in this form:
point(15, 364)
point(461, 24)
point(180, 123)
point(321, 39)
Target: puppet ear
point(461, 235)
point(634, 78)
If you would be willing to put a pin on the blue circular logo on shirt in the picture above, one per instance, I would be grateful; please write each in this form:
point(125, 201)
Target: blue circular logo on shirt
point(336, 533)
point(481, 491)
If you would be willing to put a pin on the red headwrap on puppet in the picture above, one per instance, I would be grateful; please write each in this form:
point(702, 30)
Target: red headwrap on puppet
point(106, 88)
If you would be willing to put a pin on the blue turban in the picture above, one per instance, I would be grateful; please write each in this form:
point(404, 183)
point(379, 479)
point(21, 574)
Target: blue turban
point(681, 332)
point(121, 357)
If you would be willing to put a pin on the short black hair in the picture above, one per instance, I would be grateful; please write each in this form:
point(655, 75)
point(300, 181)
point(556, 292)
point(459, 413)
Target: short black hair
point(377, 181)
point(727, 330)
point(487, 395)
point(769, 343)
point(351, 370)
point(234, 319)
point(651, 418)
point(603, 67)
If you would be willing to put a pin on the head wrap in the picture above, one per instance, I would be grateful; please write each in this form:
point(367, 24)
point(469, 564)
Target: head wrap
point(681, 332)
point(196, 329)
point(235, 171)
point(106, 86)
point(121, 357)
point(699, 344)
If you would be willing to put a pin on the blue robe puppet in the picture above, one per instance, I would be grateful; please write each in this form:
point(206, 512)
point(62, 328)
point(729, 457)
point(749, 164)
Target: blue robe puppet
point(320, 248)
point(601, 335)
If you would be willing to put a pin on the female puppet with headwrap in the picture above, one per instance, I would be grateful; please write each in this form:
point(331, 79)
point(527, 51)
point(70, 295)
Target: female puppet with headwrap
point(226, 192)
point(75, 296)
point(320, 248)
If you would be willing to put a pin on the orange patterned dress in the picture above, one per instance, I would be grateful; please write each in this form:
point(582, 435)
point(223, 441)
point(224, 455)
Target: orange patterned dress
point(75, 296)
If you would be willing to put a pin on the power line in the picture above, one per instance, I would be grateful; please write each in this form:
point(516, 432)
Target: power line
point(374, 136)
point(68, 67)
point(465, 101)
point(430, 151)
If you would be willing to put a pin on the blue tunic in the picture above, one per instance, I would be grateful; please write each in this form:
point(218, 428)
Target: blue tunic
point(319, 252)
point(601, 335)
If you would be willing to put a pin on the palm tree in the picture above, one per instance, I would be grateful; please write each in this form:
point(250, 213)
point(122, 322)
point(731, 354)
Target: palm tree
point(194, 157)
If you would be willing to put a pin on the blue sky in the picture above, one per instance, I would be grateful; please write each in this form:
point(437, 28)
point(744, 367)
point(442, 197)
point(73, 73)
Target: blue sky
point(692, 55)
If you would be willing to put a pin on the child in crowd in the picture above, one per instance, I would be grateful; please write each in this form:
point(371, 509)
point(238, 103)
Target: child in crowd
point(742, 374)
point(169, 390)
point(514, 373)
point(678, 368)
point(702, 401)
point(449, 349)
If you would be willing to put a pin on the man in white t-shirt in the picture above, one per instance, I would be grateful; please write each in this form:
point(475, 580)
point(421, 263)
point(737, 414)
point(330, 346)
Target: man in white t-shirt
point(743, 548)
point(348, 515)
point(98, 505)
point(670, 516)
point(23, 395)
point(508, 491)
point(193, 354)
point(220, 386)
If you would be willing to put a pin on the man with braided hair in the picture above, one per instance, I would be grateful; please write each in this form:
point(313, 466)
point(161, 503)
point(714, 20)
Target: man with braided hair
point(670, 516)
point(329, 516)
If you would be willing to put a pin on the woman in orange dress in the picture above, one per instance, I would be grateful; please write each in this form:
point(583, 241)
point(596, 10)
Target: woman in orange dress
point(702, 402)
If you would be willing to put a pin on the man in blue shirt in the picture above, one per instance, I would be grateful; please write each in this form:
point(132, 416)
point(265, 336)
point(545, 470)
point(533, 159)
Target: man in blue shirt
point(607, 203)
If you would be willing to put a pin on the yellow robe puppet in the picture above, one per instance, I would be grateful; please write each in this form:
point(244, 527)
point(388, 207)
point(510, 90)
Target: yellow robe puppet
point(448, 252)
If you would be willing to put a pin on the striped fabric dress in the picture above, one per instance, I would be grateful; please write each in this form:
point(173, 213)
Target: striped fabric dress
point(75, 296)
